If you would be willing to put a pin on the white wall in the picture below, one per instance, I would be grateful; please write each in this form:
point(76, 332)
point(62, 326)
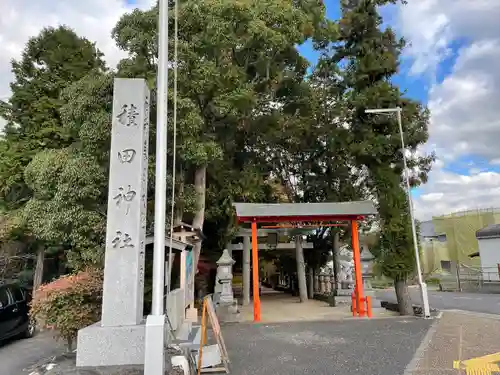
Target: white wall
point(489, 251)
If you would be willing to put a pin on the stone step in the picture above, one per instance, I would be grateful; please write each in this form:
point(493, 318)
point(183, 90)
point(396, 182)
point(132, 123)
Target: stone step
point(193, 341)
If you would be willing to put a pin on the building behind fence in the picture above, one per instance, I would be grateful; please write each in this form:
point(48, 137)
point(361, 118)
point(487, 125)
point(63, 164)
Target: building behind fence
point(450, 240)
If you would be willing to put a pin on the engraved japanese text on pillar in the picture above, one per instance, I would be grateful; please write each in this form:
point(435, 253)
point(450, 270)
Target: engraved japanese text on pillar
point(127, 201)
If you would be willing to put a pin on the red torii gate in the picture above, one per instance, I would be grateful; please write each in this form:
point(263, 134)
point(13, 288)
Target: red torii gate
point(274, 213)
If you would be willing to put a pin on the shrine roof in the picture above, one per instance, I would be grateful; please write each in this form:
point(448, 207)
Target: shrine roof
point(176, 244)
point(283, 212)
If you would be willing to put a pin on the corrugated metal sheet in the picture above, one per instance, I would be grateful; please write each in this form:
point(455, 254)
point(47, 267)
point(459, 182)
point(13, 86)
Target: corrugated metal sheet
point(357, 208)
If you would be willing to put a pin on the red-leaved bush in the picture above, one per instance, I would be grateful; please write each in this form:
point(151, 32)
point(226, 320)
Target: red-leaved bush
point(69, 303)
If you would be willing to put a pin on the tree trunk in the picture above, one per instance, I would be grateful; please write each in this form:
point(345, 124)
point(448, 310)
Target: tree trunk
point(200, 185)
point(38, 276)
point(403, 297)
point(301, 269)
point(336, 260)
point(179, 207)
point(69, 344)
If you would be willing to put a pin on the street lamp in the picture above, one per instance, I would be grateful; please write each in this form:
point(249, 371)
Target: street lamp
point(423, 286)
point(155, 337)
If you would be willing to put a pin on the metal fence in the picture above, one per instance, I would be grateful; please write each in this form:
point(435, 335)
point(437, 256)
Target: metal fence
point(469, 279)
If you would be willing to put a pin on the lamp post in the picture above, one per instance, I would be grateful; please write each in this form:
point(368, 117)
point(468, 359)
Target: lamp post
point(423, 287)
point(154, 360)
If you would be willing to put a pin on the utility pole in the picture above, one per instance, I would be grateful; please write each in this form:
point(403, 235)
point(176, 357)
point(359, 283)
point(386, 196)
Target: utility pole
point(423, 286)
point(154, 348)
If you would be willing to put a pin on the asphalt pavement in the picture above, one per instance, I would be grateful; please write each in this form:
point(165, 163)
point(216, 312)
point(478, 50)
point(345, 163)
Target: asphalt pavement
point(482, 303)
point(351, 346)
point(18, 356)
point(363, 346)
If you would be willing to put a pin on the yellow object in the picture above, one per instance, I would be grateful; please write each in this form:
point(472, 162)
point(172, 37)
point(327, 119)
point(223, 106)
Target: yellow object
point(237, 279)
point(460, 229)
point(485, 365)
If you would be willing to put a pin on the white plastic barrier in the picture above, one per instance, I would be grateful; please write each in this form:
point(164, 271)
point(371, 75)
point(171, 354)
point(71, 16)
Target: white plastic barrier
point(175, 308)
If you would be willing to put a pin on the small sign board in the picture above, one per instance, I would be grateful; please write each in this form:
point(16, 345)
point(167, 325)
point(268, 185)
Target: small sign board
point(189, 281)
point(209, 310)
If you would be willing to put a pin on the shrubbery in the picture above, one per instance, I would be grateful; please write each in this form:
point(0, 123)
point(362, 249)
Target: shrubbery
point(69, 303)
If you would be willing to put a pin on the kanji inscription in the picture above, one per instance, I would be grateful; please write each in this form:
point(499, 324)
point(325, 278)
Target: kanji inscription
point(125, 197)
point(122, 240)
point(128, 115)
point(123, 287)
point(126, 156)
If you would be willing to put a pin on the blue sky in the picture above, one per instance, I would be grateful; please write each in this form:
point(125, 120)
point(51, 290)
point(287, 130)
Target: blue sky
point(419, 86)
point(416, 87)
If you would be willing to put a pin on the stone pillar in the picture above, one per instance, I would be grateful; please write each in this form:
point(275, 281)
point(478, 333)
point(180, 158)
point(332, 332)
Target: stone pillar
point(119, 338)
point(301, 268)
point(322, 284)
point(328, 286)
point(332, 283)
point(123, 287)
point(336, 261)
point(310, 285)
point(246, 270)
point(316, 283)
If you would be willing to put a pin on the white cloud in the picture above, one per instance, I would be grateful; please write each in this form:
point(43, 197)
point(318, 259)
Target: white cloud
point(93, 19)
point(464, 104)
point(450, 192)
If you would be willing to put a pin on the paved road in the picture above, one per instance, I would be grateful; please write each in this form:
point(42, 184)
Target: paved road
point(457, 338)
point(19, 355)
point(364, 347)
point(483, 303)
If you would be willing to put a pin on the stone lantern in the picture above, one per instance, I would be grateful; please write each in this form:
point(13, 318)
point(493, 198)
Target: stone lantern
point(367, 262)
point(225, 304)
point(224, 279)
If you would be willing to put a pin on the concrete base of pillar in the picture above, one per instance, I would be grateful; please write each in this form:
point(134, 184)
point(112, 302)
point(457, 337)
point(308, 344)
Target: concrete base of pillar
point(155, 344)
point(110, 346)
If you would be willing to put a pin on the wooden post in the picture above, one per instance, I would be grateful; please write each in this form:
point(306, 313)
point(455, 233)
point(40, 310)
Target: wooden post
point(203, 339)
point(255, 274)
point(353, 304)
point(358, 289)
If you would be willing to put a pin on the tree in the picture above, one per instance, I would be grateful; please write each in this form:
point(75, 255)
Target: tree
point(50, 62)
point(232, 56)
point(370, 58)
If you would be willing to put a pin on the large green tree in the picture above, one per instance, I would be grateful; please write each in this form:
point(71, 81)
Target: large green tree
point(368, 56)
point(69, 185)
point(50, 62)
point(233, 56)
